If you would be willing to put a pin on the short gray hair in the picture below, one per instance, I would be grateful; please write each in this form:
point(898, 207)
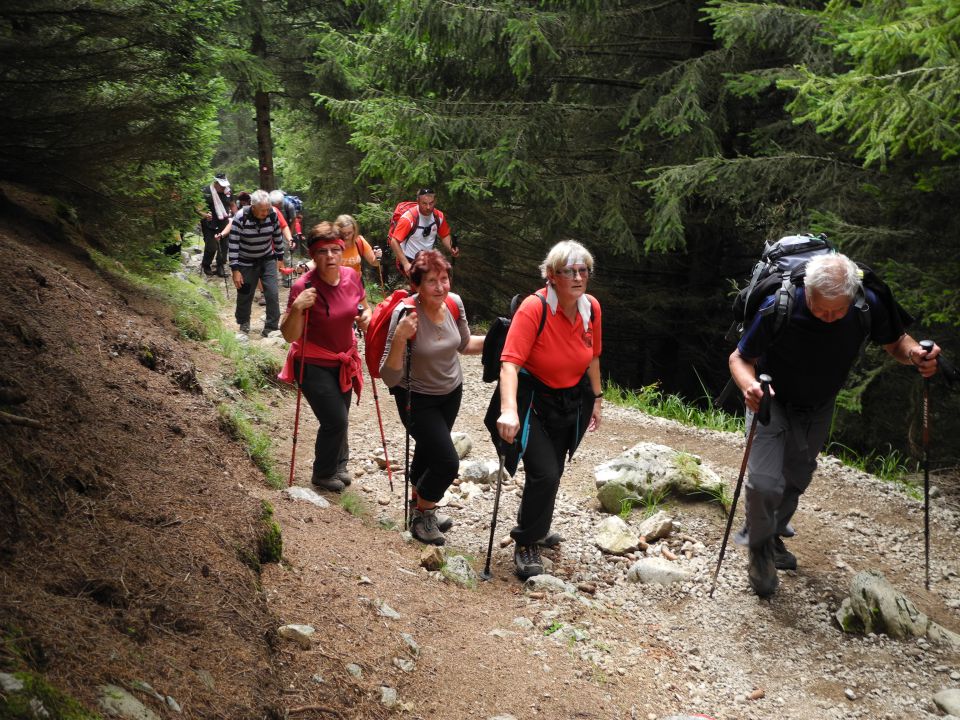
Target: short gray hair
point(832, 276)
point(259, 197)
point(561, 253)
point(276, 197)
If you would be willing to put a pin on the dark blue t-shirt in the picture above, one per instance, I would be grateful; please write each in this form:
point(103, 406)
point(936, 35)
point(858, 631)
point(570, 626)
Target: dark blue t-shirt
point(809, 360)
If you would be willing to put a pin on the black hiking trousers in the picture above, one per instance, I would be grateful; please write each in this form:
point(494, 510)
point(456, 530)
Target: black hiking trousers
point(543, 463)
point(331, 406)
point(435, 461)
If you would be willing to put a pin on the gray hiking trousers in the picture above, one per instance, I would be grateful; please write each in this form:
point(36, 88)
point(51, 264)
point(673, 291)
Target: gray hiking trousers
point(782, 461)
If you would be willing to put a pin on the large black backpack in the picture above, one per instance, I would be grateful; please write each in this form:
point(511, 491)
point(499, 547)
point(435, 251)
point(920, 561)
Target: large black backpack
point(779, 272)
point(497, 335)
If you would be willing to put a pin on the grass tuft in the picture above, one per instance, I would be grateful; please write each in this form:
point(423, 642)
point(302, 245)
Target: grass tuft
point(653, 401)
point(352, 503)
point(238, 424)
point(892, 467)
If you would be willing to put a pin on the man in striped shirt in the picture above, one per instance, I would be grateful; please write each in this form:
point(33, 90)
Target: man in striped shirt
point(255, 246)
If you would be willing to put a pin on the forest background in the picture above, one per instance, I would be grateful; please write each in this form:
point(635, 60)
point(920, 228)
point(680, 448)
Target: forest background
point(671, 137)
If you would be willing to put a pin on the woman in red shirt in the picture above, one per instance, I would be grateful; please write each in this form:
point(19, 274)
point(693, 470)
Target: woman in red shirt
point(331, 294)
point(549, 391)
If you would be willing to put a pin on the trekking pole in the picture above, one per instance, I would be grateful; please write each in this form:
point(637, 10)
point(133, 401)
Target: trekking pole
point(406, 452)
point(296, 414)
point(486, 575)
point(383, 290)
point(763, 416)
point(927, 346)
point(376, 402)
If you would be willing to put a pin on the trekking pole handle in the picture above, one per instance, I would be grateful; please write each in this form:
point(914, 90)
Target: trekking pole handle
point(927, 345)
point(763, 413)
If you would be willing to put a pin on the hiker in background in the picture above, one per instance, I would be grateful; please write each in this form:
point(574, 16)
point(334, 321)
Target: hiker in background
point(549, 392)
point(216, 215)
point(435, 384)
point(418, 228)
point(355, 246)
point(255, 246)
point(809, 363)
point(330, 294)
point(243, 200)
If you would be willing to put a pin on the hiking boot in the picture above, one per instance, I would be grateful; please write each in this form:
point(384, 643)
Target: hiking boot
point(261, 300)
point(551, 540)
point(783, 559)
point(444, 522)
point(762, 572)
point(344, 476)
point(528, 561)
point(220, 272)
point(332, 483)
point(245, 328)
point(424, 527)
point(265, 333)
point(206, 270)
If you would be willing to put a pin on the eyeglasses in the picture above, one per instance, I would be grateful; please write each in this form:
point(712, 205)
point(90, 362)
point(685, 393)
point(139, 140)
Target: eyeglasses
point(329, 251)
point(571, 272)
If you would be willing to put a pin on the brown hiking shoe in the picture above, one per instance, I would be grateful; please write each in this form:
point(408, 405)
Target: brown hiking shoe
point(444, 522)
point(424, 527)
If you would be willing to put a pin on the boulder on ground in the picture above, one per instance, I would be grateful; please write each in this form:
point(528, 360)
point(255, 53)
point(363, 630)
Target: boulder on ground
point(649, 469)
point(875, 606)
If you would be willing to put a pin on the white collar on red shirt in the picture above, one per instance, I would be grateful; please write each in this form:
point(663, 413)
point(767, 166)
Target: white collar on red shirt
point(583, 305)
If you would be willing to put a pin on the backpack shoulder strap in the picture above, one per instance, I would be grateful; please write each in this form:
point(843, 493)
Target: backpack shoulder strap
point(453, 307)
point(543, 314)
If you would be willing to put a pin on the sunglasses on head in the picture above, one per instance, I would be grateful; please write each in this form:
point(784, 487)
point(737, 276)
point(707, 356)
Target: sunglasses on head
point(571, 272)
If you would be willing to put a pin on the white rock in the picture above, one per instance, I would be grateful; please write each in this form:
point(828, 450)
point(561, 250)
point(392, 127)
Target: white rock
point(300, 634)
point(657, 526)
point(656, 571)
point(462, 443)
point(614, 536)
point(302, 493)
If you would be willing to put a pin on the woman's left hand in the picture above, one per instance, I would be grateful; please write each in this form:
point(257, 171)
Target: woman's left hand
point(363, 320)
point(595, 415)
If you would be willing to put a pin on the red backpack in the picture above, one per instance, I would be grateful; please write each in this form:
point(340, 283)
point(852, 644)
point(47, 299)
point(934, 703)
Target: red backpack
point(403, 207)
point(375, 339)
point(398, 211)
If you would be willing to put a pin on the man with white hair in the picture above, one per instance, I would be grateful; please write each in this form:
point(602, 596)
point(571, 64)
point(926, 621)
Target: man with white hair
point(255, 246)
point(809, 359)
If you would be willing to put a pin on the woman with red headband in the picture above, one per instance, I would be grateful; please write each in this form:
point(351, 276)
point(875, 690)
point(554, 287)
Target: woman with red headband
point(326, 300)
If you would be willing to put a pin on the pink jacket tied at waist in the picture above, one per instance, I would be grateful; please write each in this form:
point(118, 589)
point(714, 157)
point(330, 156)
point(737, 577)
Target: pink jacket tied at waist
point(351, 369)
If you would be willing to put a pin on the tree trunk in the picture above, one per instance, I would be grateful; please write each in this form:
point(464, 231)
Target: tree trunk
point(261, 104)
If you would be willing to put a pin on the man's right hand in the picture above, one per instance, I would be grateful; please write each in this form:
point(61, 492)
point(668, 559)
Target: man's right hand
point(753, 394)
point(237, 279)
